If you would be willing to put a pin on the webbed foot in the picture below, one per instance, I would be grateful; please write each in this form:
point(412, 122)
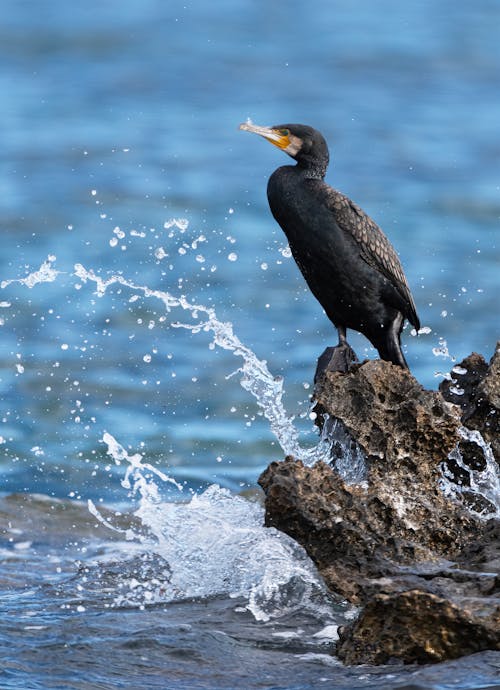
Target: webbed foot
point(339, 358)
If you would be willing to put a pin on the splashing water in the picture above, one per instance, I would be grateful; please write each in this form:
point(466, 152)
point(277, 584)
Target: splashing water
point(255, 376)
point(350, 460)
point(443, 352)
point(215, 543)
point(484, 484)
point(45, 274)
point(211, 545)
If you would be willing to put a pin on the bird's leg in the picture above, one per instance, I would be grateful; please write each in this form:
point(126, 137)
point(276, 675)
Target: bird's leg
point(339, 358)
point(341, 330)
point(343, 355)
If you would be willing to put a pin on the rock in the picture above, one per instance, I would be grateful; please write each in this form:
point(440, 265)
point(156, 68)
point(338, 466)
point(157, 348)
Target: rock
point(475, 387)
point(418, 627)
point(382, 533)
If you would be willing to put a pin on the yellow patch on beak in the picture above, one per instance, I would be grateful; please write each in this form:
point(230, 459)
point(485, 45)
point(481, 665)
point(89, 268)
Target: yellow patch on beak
point(278, 137)
point(283, 142)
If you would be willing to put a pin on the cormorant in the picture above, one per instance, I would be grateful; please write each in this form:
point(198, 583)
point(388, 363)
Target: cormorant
point(347, 261)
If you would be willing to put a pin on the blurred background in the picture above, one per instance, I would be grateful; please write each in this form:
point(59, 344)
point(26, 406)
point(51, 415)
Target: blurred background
point(121, 152)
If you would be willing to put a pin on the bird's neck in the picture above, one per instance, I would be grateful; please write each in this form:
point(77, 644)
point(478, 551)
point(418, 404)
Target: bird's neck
point(312, 170)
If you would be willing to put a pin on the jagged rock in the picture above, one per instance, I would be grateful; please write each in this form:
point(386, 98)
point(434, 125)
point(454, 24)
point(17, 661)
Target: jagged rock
point(357, 534)
point(475, 387)
point(394, 531)
point(418, 627)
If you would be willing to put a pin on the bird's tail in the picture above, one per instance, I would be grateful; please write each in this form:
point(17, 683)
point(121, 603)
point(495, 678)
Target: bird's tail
point(390, 348)
point(394, 353)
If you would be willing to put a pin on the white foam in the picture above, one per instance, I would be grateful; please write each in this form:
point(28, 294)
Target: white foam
point(484, 484)
point(214, 543)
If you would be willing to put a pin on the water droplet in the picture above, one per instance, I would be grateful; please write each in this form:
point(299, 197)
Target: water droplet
point(180, 223)
point(160, 253)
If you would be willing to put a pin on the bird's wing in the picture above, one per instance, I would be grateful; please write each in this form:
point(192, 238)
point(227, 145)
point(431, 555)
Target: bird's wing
point(374, 246)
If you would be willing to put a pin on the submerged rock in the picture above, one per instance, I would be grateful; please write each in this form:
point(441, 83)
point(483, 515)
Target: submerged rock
point(422, 563)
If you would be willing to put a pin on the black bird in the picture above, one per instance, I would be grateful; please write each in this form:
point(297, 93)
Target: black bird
point(348, 263)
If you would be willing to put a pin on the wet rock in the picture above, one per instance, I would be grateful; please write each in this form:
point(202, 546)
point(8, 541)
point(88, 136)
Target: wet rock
point(418, 627)
point(386, 536)
point(475, 387)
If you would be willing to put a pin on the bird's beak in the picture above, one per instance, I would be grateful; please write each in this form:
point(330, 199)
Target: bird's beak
point(275, 136)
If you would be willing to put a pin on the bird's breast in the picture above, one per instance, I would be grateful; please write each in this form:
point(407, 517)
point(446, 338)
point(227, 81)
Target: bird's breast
point(298, 206)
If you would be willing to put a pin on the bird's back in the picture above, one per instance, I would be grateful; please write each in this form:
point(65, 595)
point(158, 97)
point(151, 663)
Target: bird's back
point(347, 261)
point(374, 246)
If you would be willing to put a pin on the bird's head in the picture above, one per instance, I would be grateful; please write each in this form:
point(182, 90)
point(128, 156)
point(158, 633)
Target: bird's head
point(305, 144)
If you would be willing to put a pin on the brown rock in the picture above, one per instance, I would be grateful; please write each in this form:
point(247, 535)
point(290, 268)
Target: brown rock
point(356, 534)
point(392, 532)
point(389, 413)
point(398, 515)
point(416, 627)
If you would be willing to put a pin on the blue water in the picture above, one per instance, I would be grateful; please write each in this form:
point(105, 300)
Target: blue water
point(121, 153)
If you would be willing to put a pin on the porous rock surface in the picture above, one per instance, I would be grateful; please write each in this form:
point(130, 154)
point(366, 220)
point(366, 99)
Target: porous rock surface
point(474, 385)
point(422, 565)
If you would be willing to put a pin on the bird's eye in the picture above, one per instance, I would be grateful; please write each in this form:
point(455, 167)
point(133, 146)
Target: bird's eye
point(285, 132)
